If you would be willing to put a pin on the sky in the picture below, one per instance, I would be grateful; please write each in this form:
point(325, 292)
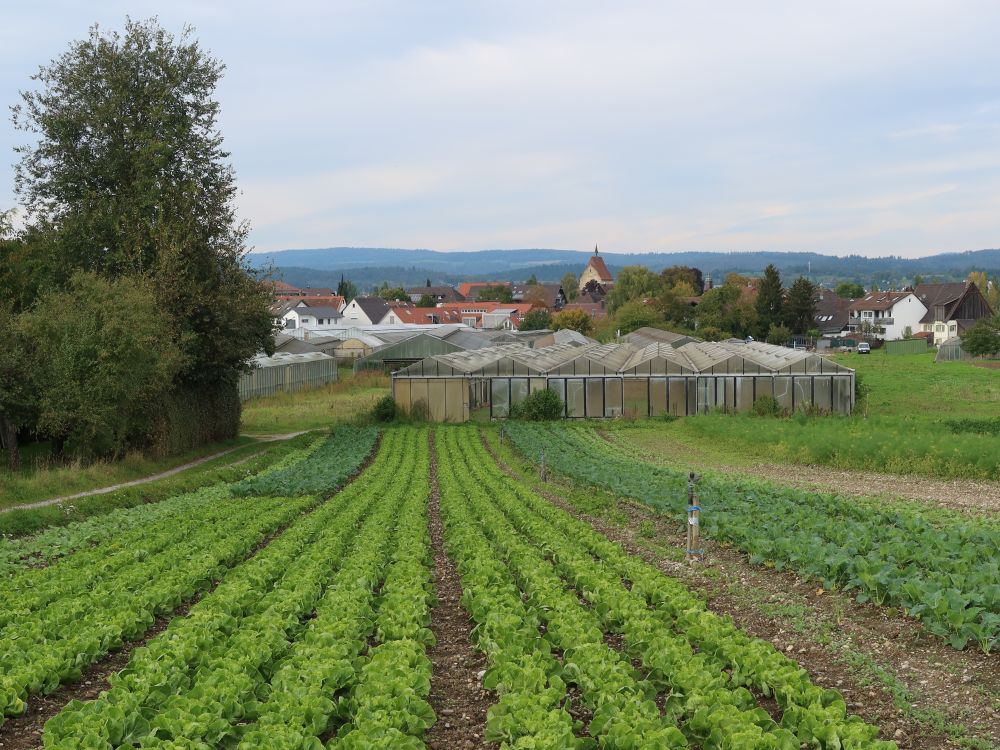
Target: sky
point(847, 127)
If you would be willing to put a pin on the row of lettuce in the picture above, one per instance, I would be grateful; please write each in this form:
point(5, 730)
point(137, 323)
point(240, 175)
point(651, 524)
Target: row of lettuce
point(562, 611)
point(942, 570)
point(77, 593)
point(320, 637)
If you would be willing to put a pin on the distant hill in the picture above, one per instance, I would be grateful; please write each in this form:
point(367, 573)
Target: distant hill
point(369, 267)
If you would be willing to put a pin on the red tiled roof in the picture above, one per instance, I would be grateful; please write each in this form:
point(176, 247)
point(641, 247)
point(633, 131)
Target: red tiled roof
point(597, 263)
point(425, 315)
point(327, 300)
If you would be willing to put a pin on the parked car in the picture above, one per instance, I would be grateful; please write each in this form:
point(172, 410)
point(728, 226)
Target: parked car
point(864, 348)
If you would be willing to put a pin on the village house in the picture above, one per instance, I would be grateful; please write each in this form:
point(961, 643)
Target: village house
point(832, 313)
point(886, 315)
point(401, 314)
point(551, 296)
point(489, 315)
point(365, 311)
point(311, 318)
point(437, 293)
point(951, 308)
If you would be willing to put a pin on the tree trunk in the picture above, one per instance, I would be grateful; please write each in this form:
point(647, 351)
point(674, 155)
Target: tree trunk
point(8, 436)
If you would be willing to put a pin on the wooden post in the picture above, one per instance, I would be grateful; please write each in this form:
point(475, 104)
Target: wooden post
point(694, 550)
point(543, 465)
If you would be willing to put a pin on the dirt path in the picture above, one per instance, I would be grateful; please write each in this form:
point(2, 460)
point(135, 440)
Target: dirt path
point(890, 671)
point(959, 494)
point(155, 477)
point(457, 695)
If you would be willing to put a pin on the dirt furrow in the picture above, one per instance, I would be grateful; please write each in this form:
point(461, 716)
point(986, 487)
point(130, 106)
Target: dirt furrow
point(890, 671)
point(25, 731)
point(457, 695)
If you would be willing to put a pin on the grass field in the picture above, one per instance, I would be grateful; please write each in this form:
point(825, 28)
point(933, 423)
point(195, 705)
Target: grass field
point(910, 425)
point(315, 408)
point(40, 478)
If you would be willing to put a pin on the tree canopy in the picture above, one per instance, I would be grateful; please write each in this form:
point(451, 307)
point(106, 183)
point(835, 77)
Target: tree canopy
point(983, 339)
point(127, 191)
point(849, 290)
point(576, 320)
point(537, 319)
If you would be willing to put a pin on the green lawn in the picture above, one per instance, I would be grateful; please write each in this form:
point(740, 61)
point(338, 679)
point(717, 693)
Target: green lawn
point(912, 385)
point(316, 408)
point(906, 431)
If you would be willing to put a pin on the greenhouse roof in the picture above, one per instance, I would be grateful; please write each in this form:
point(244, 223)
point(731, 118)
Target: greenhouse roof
point(280, 359)
point(691, 358)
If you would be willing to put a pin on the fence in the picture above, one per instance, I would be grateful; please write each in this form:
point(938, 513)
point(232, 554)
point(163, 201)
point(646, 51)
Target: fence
point(907, 346)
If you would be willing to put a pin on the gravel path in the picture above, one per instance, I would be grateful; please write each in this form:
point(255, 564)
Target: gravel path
point(153, 477)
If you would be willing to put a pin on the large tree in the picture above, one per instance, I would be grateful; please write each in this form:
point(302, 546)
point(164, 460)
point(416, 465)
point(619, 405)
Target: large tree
point(101, 364)
point(850, 290)
point(576, 320)
point(537, 319)
point(800, 308)
point(983, 339)
point(770, 301)
point(570, 286)
point(128, 178)
point(633, 283)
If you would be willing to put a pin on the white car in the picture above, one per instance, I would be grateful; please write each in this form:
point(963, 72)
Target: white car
point(864, 348)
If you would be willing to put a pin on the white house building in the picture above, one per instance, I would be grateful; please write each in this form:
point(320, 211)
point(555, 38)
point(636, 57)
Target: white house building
point(886, 315)
point(312, 318)
point(365, 311)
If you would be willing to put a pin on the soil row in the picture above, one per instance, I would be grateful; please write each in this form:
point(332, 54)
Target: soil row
point(890, 670)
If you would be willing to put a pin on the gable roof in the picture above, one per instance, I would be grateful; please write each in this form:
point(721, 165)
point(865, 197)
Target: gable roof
point(414, 315)
point(600, 268)
point(948, 295)
point(832, 312)
point(326, 300)
point(447, 292)
point(878, 301)
point(374, 307)
point(318, 312)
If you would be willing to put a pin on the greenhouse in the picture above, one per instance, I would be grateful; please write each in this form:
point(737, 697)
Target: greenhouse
point(615, 380)
point(286, 372)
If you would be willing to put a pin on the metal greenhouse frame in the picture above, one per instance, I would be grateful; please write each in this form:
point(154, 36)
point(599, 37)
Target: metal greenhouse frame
point(613, 380)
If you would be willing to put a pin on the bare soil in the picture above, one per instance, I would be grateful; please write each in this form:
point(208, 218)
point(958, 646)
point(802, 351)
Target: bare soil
point(457, 695)
point(890, 671)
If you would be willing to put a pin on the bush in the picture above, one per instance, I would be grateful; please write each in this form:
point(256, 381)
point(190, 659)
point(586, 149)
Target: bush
point(385, 409)
point(539, 406)
point(767, 406)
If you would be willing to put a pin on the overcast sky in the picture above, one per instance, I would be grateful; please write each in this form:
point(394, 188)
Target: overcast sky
point(870, 127)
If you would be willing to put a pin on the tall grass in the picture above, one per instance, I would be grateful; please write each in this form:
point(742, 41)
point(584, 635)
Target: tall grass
point(315, 408)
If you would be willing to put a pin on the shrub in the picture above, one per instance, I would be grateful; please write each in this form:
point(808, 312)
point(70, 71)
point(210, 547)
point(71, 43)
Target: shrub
point(767, 406)
point(539, 406)
point(385, 409)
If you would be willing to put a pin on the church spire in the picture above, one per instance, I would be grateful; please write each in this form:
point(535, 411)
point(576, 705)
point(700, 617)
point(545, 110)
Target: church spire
point(595, 250)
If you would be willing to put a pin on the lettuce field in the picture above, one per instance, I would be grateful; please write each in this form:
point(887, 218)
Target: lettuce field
point(302, 608)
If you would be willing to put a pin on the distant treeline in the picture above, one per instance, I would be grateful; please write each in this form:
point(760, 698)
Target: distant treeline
point(370, 267)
